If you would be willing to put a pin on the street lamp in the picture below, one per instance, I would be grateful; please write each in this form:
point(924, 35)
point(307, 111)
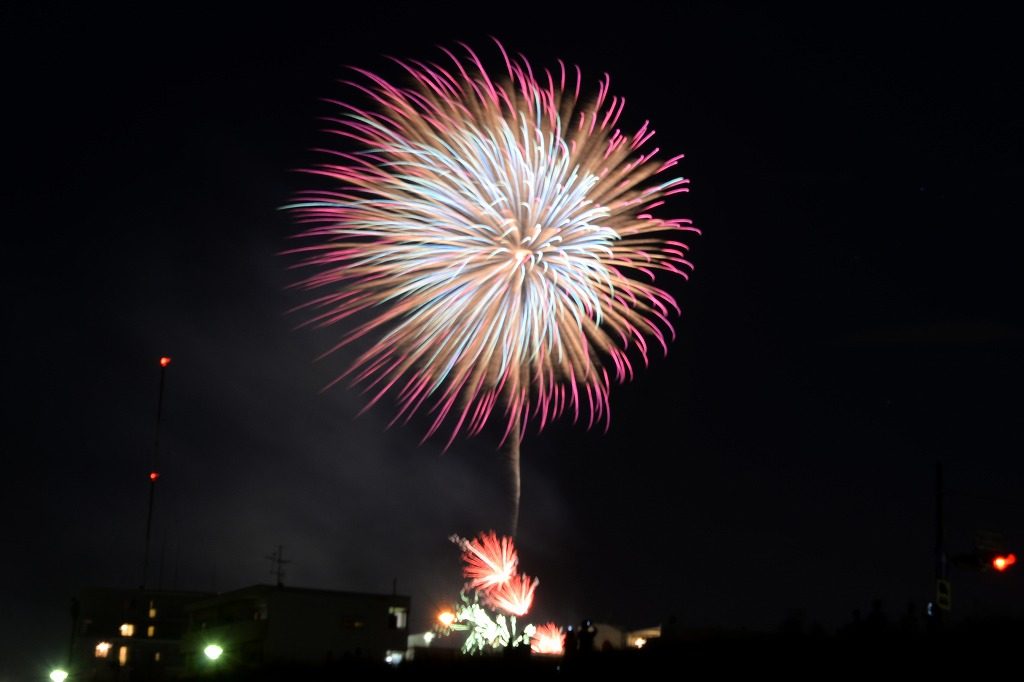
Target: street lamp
point(213, 651)
point(1001, 563)
point(446, 618)
point(59, 675)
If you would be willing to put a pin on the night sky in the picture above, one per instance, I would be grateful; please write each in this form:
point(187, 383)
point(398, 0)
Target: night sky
point(854, 317)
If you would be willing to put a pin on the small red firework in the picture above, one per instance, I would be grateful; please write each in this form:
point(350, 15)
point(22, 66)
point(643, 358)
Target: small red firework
point(490, 562)
point(514, 597)
point(548, 639)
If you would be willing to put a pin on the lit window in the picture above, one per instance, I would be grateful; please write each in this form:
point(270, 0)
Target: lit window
point(102, 649)
point(156, 657)
point(122, 656)
point(150, 631)
point(397, 617)
point(127, 629)
point(152, 612)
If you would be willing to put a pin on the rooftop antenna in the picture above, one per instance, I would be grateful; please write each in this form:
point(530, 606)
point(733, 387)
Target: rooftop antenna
point(154, 473)
point(278, 561)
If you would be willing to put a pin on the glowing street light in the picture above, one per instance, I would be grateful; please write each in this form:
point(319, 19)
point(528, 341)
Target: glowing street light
point(213, 651)
point(58, 675)
point(446, 618)
point(1001, 563)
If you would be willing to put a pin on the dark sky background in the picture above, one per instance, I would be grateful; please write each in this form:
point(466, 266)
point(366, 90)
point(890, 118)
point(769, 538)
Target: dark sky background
point(853, 318)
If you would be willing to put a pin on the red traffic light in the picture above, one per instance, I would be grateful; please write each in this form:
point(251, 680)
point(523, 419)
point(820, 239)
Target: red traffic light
point(1001, 563)
point(164, 361)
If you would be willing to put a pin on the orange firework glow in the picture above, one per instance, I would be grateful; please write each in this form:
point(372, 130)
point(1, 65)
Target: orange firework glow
point(549, 639)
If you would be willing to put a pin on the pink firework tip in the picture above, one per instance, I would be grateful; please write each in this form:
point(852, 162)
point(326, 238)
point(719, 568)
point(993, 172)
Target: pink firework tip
point(490, 561)
point(514, 597)
point(496, 237)
point(548, 639)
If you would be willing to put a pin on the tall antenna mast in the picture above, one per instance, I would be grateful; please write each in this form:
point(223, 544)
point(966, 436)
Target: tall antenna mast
point(278, 561)
point(154, 473)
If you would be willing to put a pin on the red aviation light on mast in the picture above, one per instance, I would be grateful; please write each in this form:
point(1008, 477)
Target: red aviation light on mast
point(164, 361)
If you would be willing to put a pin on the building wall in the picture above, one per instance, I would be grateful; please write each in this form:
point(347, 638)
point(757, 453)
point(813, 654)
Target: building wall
point(315, 627)
point(145, 654)
point(238, 625)
point(609, 637)
point(267, 624)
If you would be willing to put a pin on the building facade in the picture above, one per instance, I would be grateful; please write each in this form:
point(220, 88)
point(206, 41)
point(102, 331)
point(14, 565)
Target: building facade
point(267, 624)
point(121, 635)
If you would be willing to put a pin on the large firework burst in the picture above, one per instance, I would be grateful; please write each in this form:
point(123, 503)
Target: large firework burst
point(497, 238)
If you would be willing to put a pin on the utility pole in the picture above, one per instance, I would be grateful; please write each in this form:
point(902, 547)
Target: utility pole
point(154, 474)
point(278, 561)
point(75, 613)
point(943, 592)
